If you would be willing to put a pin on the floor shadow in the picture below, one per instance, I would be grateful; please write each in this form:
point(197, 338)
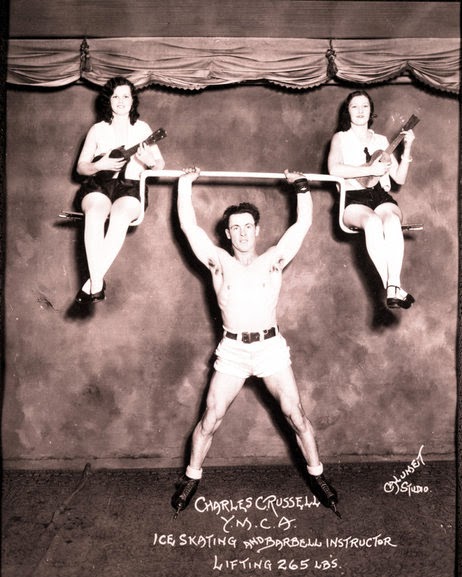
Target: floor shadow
point(81, 312)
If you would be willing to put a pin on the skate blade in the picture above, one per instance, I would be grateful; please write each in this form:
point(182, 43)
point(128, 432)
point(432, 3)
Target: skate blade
point(336, 511)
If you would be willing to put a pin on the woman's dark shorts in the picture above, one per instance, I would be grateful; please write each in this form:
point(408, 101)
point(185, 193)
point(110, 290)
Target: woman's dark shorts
point(371, 197)
point(113, 189)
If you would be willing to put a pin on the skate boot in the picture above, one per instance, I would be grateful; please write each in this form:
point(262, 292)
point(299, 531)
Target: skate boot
point(184, 493)
point(324, 492)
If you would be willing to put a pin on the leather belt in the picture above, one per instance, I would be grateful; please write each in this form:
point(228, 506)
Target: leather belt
point(253, 337)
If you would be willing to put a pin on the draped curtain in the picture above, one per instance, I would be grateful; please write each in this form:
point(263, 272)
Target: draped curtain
point(196, 63)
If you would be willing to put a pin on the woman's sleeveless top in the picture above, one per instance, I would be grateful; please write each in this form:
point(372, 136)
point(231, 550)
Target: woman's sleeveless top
point(106, 141)
point(354, 154)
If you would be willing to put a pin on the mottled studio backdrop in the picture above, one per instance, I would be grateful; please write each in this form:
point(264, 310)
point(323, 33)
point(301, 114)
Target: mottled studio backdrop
point(126, 384)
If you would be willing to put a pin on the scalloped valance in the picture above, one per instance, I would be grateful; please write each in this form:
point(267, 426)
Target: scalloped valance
point(197, 63)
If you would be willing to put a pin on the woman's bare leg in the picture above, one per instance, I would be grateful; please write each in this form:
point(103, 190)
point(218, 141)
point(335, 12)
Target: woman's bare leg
point(102, 249)
point(391, 218)
point(123, 212)
point(365, 218)
point(96, 207)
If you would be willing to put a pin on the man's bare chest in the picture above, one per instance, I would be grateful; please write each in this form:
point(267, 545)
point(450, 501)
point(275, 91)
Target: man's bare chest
point(258, 277)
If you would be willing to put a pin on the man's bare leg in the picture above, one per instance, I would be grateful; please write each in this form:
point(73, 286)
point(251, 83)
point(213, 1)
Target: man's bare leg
point(222, 392)
point(283, 387)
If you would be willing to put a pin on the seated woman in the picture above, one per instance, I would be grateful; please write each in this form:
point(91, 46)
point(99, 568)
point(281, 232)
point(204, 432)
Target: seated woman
point(112, 186)
point(370, 206)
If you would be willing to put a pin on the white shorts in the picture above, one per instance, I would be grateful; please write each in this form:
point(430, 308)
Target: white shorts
point(259, 359)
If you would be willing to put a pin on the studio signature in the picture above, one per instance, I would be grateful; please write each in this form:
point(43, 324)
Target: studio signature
point(401, 484)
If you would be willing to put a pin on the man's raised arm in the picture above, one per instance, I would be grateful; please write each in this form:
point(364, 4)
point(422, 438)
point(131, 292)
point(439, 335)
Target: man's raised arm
point(202, 246)
point(292, 239)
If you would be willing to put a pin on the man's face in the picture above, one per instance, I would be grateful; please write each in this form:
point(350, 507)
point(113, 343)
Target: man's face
point(242, 231)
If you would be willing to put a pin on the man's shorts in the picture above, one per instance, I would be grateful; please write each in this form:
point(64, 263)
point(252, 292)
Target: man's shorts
point(371, 197)
point(260, 359)
point(113, 189)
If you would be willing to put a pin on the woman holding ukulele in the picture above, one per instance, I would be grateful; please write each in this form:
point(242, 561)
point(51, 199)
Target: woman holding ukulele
point(369, 206)
point(111, 188)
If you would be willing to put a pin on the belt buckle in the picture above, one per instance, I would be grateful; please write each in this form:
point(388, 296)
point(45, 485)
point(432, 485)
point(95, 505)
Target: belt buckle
point(269, 333)
point(249, 338)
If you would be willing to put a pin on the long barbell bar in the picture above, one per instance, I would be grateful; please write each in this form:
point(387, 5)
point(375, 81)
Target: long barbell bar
point(271, 176)
point(255, 175)
point(236, 174)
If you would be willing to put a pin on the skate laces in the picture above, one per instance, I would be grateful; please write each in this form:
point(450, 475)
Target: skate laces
point(189, 487)
point(329, 494)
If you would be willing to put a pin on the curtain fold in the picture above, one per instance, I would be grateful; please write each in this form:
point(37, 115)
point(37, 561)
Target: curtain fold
point(197, 63)
point(433, 61)
point(43, 62)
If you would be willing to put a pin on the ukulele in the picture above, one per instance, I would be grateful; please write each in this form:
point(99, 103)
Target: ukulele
point(384, 155)
point(104, 176)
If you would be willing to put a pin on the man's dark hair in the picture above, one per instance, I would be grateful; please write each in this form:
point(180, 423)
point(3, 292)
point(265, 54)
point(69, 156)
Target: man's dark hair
point(104, 99)
point(344, 121)
point(243, 207)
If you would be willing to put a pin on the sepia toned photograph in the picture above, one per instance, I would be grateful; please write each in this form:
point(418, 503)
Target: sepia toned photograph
point(230, 288)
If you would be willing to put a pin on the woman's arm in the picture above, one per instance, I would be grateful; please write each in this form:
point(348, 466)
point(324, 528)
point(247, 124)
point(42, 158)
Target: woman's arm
point(151, 156)
point(399, 170)
point(85, 164)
